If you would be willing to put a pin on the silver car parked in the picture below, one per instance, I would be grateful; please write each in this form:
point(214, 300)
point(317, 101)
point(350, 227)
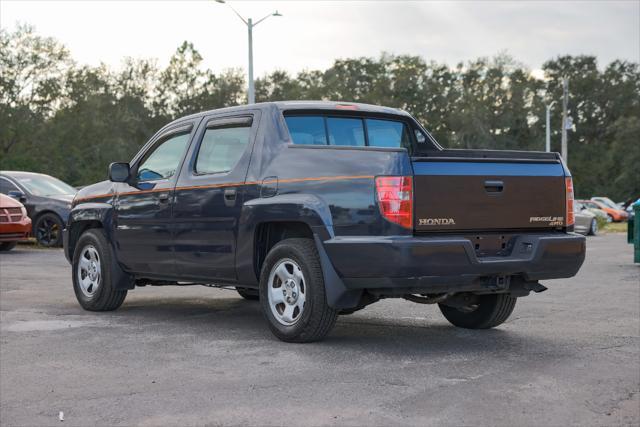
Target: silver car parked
point(586, 221)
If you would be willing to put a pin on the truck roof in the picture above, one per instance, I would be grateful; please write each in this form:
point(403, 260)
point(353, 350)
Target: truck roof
point(302, 105)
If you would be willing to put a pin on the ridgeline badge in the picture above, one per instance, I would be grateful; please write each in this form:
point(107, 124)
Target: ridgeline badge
point(552, 220)
point(436, 221)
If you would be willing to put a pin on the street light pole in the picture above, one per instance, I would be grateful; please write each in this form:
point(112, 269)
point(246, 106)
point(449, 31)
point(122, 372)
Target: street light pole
point(548, 140)
point(565, 103)
point(252, 93)
point(250, 24)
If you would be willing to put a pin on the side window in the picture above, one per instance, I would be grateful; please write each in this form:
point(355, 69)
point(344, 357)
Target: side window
point(6, 186)
point(345, 131)
point(387, 133)
point(221, 148)
point(307, 130)
point(164, 160)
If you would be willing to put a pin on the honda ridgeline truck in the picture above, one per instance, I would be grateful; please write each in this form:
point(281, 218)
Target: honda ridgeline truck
point(319, 209)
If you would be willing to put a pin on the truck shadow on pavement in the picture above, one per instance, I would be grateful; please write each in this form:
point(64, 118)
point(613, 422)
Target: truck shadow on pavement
point(212, 319)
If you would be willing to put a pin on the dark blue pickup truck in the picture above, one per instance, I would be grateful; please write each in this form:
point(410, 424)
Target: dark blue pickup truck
point(321, 208)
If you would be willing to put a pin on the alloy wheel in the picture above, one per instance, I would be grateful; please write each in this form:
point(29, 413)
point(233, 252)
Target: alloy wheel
point(89, 271)
point(48, 231)
point(287, 292)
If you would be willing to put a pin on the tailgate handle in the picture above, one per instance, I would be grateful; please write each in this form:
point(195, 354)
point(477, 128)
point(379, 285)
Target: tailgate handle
point(493, 186)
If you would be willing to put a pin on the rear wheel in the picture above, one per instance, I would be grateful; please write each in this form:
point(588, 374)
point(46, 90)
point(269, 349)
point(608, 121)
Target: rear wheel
point(7, 246)
point(593, 228)
point(92, 281)
point(250, 294)
point(488, 312)
point(292, 292)
point(48, 230)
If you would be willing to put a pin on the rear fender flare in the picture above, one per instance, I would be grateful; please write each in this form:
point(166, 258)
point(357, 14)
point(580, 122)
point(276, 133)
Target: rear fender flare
point(306, 208)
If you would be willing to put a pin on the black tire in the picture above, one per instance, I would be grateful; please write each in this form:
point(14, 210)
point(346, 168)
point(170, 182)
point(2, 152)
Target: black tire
point(47, 230)
point(593, 227)
point(491, 311)
point(105, 297)
point(249, 294)
point(316, 319)
point(7, 246)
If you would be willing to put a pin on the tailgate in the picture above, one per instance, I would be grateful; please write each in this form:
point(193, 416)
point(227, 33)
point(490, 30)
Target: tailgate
point(482, 193)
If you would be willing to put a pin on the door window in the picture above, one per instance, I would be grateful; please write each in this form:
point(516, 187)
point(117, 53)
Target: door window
point(221, 148)
point(163, 161)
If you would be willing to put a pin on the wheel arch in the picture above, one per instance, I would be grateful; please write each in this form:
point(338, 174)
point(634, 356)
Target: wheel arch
point(265, 222)
point(270, 233)
point(75, 231)
point(41, 213)
point(84, 217)
point(274, 218)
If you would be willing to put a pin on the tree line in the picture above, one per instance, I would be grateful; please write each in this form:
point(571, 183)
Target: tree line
point(70, 120)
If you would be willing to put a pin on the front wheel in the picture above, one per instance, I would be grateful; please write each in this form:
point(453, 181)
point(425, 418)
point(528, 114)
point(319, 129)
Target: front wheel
point(593, 228)
point(292, 293)
point(48, 230)
point(92, 278)
point(488, 312)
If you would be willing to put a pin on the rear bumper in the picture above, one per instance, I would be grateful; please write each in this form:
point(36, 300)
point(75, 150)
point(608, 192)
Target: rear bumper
point(449, 263)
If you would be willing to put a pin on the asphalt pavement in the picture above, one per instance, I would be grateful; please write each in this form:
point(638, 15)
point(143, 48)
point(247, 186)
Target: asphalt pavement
point(202, 356)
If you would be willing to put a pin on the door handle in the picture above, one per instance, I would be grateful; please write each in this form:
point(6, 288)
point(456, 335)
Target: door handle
point(230, 196)
point(163, 197)
point(493, 186)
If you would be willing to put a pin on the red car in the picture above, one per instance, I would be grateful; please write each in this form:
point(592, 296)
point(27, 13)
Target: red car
point(15, 225)
point(615, 213)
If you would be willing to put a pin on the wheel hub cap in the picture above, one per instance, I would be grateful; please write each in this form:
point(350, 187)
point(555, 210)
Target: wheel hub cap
point(287, 292)
point(89, 273)
point(290, 292)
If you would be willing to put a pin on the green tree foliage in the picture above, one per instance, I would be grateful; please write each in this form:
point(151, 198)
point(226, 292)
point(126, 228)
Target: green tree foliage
point(32, 71)
point(71, 121)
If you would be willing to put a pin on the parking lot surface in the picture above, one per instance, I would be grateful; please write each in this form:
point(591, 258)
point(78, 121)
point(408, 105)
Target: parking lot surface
point(201, 356)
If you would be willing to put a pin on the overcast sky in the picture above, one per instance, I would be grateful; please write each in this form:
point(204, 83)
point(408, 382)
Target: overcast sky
point(311, 34)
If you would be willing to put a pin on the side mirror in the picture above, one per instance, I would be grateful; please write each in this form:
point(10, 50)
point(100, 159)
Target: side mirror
point(119, 172)
point(18, 195)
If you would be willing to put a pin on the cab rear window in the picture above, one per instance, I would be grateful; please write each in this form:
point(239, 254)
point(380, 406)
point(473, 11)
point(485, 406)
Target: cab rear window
point(348, 131)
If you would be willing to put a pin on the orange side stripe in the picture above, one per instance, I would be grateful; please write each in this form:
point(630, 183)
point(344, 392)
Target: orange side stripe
point(231, 184)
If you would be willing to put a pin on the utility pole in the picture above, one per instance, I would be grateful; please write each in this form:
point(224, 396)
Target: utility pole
point(548, 140)
point(565, 102)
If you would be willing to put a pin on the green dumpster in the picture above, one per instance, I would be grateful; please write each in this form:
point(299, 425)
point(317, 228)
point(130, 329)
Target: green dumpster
point(630, 226)
point(635, 229)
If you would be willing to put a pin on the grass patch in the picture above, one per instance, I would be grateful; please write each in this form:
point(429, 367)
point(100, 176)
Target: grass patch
point(615, 227)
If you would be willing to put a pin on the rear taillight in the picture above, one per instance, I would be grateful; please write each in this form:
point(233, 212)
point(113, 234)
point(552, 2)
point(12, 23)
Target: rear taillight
point(395, 198)
point(571, 218)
